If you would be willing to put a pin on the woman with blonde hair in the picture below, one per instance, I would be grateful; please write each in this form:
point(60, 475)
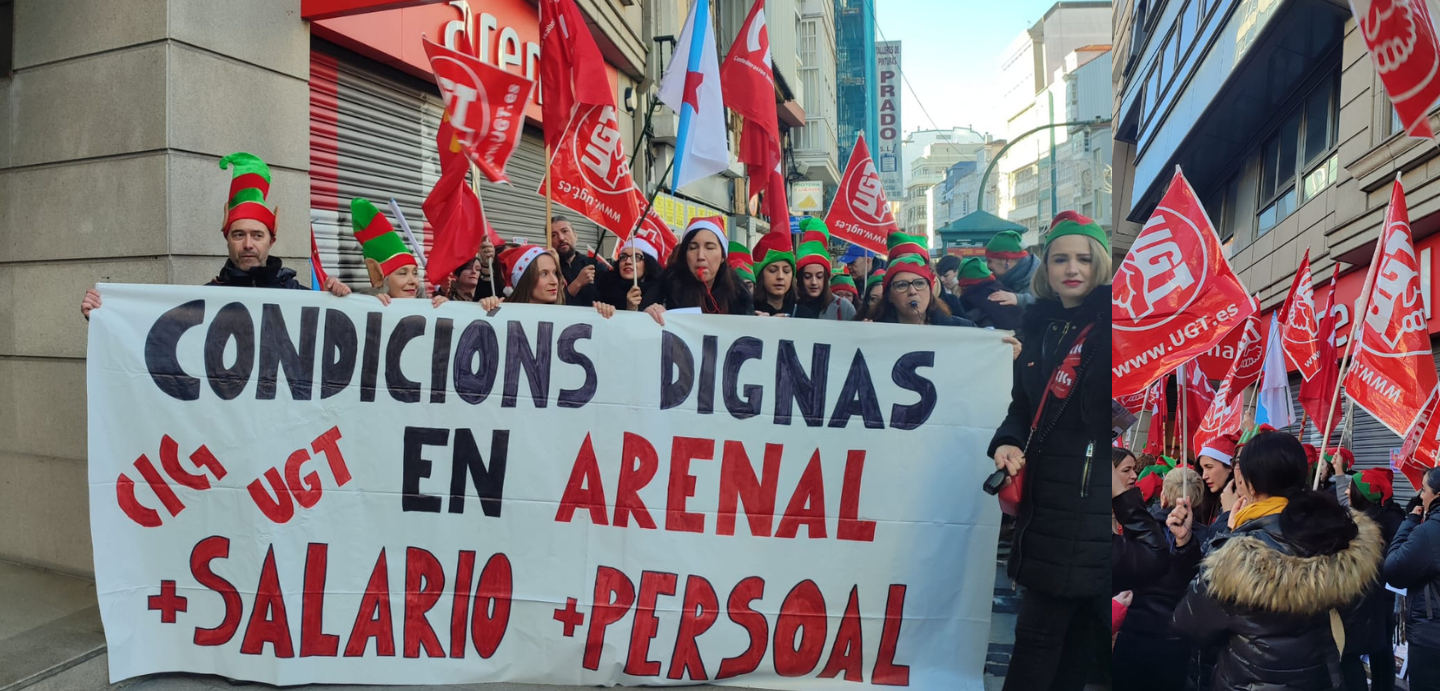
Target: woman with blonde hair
point(1056, 431)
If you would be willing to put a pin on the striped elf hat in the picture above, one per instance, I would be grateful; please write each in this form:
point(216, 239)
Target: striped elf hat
point(876, 277)
point(741, 262)
point(1006, 244)
point(841, 283)
point(973, 271)
point(814, 245)
point(908, 255)
point(774, 246)
point(1071, 223)
point(383, 249)
point(1376, 484)
point(248, 189)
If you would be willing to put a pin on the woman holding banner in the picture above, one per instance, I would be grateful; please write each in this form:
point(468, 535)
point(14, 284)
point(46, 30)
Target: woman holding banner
point(697, 276)
point(908, 287)
point(1056, 432)
point(635, 269)
point(533, 275)
point(391, 266)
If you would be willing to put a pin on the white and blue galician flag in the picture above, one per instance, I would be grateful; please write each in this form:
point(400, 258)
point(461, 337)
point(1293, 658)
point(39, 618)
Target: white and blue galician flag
point(691, 87)
point(1275, 406)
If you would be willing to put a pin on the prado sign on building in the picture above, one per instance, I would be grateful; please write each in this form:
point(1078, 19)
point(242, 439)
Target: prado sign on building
point(887, 150)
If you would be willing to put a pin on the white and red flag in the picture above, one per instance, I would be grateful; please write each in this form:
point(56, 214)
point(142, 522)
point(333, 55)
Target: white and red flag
point(860, 214)
point(748, 83)
point(1175, 296)
point(1402, 42)
point(1393, 369)
point(486, 106)
point(1300, 330)
point(1227, 408)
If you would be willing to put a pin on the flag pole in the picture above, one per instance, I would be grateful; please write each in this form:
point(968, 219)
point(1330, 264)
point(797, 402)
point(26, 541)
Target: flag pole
point(1357, 331)
point(475, 187)
point(549, 195)
point(1182, 430)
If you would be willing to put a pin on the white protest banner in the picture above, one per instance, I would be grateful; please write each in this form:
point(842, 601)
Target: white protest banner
point(290, 487)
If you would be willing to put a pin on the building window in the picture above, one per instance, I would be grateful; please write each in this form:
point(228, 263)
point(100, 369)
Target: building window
point(1222, 208)
point(1396, 127)
point(7, 36)
point(1300, 156)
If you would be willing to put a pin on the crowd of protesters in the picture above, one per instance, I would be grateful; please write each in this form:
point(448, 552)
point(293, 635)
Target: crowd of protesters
point(1241, 576)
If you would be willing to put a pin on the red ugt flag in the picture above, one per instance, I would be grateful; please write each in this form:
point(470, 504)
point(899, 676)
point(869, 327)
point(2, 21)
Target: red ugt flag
point(572, 71)
point(748, 83)
point(860, 214)
point(1402, 42)
point(590, 173)
point(1198, 399)
point(1393, 371)
point(1299, 331)
point(1175, 295)
point(1227, 409)
point(1317, 393)
point(486, 106)
point(1421, 448)
point(453, 210)
point(1155, 438)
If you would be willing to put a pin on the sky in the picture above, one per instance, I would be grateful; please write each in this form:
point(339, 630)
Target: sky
point(951, 51)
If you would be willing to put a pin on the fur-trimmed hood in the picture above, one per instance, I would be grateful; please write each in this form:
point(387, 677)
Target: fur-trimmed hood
point(1248, 572)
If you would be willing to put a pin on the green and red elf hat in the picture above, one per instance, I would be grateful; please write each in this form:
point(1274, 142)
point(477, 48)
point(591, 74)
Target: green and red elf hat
point(740, 262)
point(876, 277)
point(908, 255)
point(1071, 223)
point(774, 246)
point(382, 247)
point(973, 271)
point(842, 284)
point(1006, 244)
point(248, 190)
point(1377, 485)
point(814, 245)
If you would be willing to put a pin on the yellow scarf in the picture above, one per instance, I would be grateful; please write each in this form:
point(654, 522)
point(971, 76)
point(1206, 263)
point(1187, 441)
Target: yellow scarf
point(1265, 507)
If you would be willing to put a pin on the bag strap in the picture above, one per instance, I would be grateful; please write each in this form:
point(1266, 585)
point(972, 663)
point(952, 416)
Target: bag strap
point(1064, 402)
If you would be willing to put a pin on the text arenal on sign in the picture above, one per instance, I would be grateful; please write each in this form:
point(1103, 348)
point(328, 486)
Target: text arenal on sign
point(295, 488)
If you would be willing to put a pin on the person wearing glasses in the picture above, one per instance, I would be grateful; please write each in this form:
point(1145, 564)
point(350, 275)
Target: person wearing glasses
point(635, 269)
point(908, 295)
point(1056, 431)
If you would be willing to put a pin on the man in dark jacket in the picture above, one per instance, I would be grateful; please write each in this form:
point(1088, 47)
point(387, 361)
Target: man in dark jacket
point(976, 285)
point(249, 232)
point(947, 270)
point(578, 269)
point(1413, 563)
point(1369, 625)
point(1013, 266)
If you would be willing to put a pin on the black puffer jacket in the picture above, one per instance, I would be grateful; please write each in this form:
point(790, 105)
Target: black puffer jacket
point(1266, 604)
point(1062, 533)
point(976, 305)
point(1155, 600)
point(272, 275)
point(1414, 563)
point(1368, 625)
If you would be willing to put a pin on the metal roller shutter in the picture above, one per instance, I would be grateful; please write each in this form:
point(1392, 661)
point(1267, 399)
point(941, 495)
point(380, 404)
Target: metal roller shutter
point(1370, 441)
point(372, 135)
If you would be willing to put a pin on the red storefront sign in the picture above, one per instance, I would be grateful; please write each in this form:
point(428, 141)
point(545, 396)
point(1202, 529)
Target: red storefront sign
point(507, 35)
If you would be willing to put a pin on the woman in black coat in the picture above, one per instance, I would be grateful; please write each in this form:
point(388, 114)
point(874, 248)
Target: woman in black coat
point(620, 288)
point(1273, 584)
point(1370, 624)
point(1062, 543)
point(1413, 563)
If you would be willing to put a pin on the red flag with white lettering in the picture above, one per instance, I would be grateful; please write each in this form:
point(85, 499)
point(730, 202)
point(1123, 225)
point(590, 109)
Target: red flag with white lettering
point(1299, 329)
point(486, 106)
point(1421, 447)
point(1318, 393)
point(1393, 369)
point(1250, 357)
point(572, 70)
point(1155, 438)
point(860, 214)
point(655, 231)
point(591, 174)
point(1228, 406)
point(1175, 296)
point(1402, 42)
point(748, 82)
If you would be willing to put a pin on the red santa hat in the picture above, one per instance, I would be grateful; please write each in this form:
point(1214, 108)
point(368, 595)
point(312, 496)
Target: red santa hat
point(1221, 448)
point(517, 259)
